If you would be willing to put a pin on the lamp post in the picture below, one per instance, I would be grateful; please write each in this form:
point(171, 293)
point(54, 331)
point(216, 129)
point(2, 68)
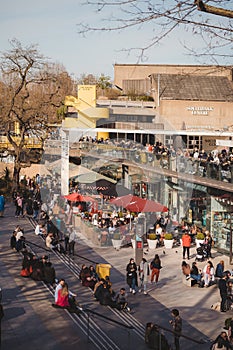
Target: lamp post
point(140, 230)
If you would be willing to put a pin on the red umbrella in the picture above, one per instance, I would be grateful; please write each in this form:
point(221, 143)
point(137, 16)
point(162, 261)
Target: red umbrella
point(122, 201)
point(138, 204)
point(73, 197)
point(77, 197)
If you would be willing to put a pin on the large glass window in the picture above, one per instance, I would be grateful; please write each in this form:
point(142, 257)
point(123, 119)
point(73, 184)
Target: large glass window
point(194, 142)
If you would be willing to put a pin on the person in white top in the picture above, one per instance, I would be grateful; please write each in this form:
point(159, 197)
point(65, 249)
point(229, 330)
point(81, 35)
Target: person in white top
point(39, 230)
point(158, 232)
point(50, 242)
point(19, 233)
point(208, 273)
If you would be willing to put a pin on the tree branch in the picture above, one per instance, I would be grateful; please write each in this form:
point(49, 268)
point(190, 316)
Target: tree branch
point(213, 10)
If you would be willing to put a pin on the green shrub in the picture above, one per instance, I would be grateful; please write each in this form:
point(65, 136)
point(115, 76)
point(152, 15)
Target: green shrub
point(200, 236)
point(168, 236)
point(152, 236)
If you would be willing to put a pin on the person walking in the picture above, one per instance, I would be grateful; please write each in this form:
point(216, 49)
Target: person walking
point(155, 266)
point(176, 323)
point(186, 242)
point(131, 276)
point(208, 241)
point(73, 238)
point(222, 285)
point(143, 275)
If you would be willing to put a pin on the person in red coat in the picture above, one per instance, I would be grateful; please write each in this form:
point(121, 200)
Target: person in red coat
point(186, 242)
point(63, 297)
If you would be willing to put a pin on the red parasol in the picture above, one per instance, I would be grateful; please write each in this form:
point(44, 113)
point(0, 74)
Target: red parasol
point(138, 204)
point(77, 197)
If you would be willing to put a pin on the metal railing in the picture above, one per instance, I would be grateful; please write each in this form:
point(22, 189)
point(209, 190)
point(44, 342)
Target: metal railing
point(177, 163)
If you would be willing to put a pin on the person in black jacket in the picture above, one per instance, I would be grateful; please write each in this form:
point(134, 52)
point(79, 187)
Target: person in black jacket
point(195, 273)
point(222, 285)
point(222, 342)
point(176, 323)
point(13, 241)
point(49, 274)
point(155, 266)
point(131, 276)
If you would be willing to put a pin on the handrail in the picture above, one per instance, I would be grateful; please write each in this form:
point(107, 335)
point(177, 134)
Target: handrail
point(182, 335)
point(108, 318)
point(49, 250)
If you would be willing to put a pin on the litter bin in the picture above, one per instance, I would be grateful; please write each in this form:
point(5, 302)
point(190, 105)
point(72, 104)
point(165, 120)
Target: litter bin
point(103, 270)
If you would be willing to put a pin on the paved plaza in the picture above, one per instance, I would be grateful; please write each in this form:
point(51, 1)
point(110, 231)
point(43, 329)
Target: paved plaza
point(30, 321)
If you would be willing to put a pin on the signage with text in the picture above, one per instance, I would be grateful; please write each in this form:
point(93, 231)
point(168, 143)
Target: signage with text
point(200, 110)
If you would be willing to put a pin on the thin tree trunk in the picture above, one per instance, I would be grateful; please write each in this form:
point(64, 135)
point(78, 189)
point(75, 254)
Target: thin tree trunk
point(16, 175)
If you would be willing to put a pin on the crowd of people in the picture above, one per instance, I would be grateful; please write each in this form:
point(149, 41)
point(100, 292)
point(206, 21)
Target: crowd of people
point(196, 161)
point(38, 268)
point(138, 278)
point(209, 276)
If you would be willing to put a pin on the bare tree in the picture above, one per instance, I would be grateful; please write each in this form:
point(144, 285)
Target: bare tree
point(102, 82)
point(32, 90)
point(87, 79)
point(212, 24)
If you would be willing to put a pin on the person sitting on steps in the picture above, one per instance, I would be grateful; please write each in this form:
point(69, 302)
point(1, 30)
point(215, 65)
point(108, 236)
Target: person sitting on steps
point(122, 300)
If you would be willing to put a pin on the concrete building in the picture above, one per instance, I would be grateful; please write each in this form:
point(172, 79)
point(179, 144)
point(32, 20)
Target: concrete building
point(187, 98)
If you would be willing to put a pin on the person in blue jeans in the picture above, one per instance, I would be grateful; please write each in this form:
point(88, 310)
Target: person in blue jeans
point(194, 273)
point(131, 276)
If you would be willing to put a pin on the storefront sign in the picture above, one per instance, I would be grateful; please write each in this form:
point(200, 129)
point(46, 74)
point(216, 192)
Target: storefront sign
point(200, 110)
point(209, 142)
point(224, 143)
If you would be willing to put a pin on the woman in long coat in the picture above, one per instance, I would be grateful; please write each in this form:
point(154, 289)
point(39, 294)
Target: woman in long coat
point(131, 276)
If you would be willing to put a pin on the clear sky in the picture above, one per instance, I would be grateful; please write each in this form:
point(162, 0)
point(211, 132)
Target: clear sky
point(53, 26)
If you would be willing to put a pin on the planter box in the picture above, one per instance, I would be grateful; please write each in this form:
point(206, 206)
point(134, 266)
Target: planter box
point(117, 243)
point(168, 243)
point(152, 243)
